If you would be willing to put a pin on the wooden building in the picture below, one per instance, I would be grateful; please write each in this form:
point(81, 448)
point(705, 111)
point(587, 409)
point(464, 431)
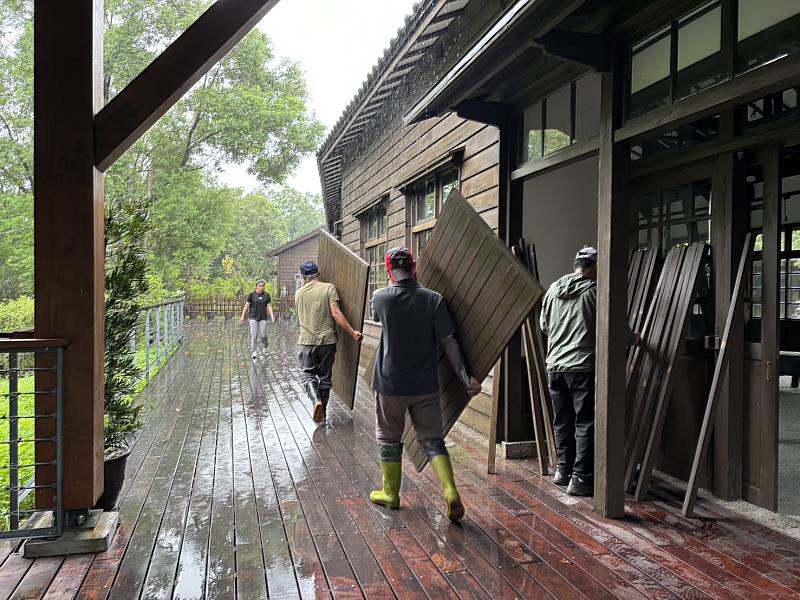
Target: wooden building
point(289, 258)
point(614, 122)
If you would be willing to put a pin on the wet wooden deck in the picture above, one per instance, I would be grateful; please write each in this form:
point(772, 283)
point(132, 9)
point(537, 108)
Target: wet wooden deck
point(233, 492)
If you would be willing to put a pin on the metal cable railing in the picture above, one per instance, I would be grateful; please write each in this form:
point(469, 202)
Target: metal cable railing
point(158, 333)
point(31, 399)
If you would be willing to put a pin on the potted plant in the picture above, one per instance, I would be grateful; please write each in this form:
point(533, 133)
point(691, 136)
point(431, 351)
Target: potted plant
point(125, 282)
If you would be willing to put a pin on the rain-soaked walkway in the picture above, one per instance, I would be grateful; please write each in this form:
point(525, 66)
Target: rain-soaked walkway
point(232, 492)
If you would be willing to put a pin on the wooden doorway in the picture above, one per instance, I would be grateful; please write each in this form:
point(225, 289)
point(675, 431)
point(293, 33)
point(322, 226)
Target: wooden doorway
point(758, 186)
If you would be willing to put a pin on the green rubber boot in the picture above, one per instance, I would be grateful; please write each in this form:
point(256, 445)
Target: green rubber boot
point(444, 472)
point(390, 494)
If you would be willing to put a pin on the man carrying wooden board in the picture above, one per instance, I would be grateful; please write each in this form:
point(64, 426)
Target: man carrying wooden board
point(416, 322)
point(318, 311)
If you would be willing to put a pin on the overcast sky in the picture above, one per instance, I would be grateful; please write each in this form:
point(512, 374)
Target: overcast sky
point(336, 42)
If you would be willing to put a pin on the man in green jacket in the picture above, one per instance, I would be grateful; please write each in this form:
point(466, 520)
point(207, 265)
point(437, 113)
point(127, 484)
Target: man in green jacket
point(568, 320)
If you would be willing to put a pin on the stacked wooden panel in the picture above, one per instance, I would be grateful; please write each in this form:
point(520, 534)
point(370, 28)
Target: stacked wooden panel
point(538, 390)
point(651, 369)
point(339, 266)
point(490, 294)
point(643, 272)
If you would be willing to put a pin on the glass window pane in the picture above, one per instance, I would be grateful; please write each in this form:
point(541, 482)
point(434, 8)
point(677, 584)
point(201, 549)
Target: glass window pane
point(557, 132)
point(699, 38)
point(756, 266)
point(794, 311)
point(701, 191)
point(648, 208)
point(756, 15)
point(774, 105)
point(767, 31)
point(792, 206)
point(449, 182)
point(587, 106)
point(756, 312)
point(675, 235)
point(650, 62)
point(426, 201)
point(701, 231)
point(532, 133)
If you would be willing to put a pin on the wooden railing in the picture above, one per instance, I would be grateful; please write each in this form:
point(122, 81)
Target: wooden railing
point(230, 308)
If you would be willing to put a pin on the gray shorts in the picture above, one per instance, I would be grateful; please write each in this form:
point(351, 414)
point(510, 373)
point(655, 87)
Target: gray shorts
point(390, 415)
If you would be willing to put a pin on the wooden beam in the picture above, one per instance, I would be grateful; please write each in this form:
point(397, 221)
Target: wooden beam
point(68, 233)
point(716, 387)
point(589, 49)
point(148, 97)
point(612, 302)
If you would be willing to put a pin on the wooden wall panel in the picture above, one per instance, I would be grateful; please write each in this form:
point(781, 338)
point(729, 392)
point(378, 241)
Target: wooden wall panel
point(339, 266)
point(489, 293)
point(289, 262)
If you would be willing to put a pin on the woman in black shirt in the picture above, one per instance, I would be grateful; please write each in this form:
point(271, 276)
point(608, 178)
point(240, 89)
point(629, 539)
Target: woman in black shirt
point(256, 308)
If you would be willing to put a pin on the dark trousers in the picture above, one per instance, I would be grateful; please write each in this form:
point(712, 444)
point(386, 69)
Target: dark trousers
point(316, 362)
point(573, 421)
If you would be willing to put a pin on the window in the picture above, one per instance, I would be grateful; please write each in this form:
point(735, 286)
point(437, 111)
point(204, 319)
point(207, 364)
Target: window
point(568, 115)
point(766, 31)
point(693, 53)
point(427, 197)
point(675, 216)
point(789, 253)
point(373, 244)
point(685, 136)
point(766, 109)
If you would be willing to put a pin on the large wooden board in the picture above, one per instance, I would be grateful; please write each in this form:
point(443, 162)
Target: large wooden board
point(349, 273)
point(490, 294)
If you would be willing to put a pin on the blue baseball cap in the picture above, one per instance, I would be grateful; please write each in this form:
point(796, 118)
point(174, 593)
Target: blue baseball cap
point(309, 268)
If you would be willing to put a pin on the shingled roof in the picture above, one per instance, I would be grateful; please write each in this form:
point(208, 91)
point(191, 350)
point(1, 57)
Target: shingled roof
point(377, 95)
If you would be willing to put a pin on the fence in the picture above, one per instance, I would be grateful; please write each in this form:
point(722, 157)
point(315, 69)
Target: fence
point(158, 333)
point(230, 308)
point(30, 434)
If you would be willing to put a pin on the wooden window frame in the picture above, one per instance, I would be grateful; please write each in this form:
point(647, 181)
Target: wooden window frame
point(727, 54)
point(377, 277)
point(414, 196)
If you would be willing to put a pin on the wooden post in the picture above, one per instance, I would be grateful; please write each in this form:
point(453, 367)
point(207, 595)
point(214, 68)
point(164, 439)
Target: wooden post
point(727, 231)
point(612, 301)
point(68, 204)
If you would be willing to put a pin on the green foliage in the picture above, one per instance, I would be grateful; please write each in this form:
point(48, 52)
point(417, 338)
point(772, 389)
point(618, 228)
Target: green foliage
point(251, 109)
point(126, 227)
point(16, 315)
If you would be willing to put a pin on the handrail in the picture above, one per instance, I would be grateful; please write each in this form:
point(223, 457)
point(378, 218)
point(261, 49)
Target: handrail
point(28, 343)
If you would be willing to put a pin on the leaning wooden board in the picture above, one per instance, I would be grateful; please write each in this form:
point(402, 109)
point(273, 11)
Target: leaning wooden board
point(349, 273)
point(489, 292)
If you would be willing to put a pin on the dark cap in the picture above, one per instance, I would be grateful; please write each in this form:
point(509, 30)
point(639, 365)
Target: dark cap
point(309, 268)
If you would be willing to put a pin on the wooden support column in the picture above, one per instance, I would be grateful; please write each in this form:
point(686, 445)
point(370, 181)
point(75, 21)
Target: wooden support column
point(68, 204)
point(727, 233)
point(612, 329)
point(517, 422)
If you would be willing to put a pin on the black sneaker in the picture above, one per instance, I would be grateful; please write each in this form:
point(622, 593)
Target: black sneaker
point(561, 476)
point(580, 486)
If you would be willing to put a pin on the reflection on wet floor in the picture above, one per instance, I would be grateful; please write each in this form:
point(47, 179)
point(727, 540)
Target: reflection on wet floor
point(233, 492)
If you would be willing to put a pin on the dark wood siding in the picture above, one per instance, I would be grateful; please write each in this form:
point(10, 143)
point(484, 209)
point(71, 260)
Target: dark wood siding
point(289, 262)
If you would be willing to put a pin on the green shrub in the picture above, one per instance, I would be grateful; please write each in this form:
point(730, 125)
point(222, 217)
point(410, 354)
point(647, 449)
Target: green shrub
point(16, 315)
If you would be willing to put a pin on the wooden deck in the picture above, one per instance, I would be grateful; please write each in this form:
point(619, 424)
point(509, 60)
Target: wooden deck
point(234, 493)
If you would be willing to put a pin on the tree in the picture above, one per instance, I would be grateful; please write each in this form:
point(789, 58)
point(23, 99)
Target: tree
point(250, 109)
point(301, 212)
